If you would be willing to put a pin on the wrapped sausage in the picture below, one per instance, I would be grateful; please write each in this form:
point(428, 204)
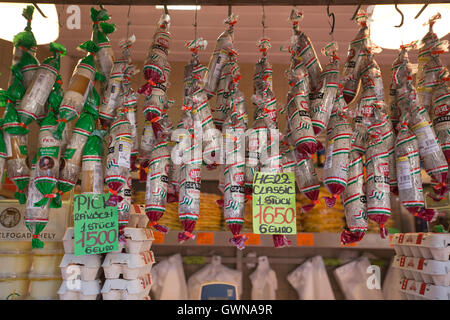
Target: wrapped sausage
point(354, 200)
point(324, 97)
point(219, 56)
point(430, 69)
point(302, 133)
point(35, 98)
point(156, 101)
point(36, 217)
point(262, 82)
point(377, 183)
point(156, 61)
point(408, 172)
point(100, 31)
point(335, 175)
point(189, 181)
point(47, 165)
point(145, 149)
point(230, 75)
point(433, 158)
point(17, 151)
point(308, 181)
point(118, 158)
point(201, 111)
point(356, 52)
point(113, 95)
point(156, 187)
point(24, 53)
point(305, 49)
point(71, 160)
point(79, 87)
point(234, 170)
point(92, 179)
point(440, 115)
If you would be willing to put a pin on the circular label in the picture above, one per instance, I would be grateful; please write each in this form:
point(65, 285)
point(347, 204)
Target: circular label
point(383, 169)
point(441, 110)
point(46, 163)
point(239, 178)
point(10, 217)
point(194, 174)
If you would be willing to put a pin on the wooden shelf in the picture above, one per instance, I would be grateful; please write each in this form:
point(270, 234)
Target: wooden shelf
point(321, 240)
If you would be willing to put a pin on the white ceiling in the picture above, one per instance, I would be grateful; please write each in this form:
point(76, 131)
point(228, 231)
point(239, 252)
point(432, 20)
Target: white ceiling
point(248, 30)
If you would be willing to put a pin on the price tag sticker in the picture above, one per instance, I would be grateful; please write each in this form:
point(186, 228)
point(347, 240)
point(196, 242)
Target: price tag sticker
point(205, 238)
point(96, 225)
point(274, 203)
point(253, 239)
point(305, 240)
point(159, 238)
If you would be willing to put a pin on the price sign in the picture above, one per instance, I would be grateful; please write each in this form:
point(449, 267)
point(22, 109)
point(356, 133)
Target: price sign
point(274, 203)
point(96, 225)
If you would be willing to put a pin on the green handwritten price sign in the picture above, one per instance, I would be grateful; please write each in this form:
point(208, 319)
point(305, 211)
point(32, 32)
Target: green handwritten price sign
point(96, 225)
point(274, 203)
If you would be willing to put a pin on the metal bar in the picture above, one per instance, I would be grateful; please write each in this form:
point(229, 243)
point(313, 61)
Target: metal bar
point(234, 2)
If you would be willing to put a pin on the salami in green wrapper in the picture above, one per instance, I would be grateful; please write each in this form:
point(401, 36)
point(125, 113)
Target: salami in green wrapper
point(47, 167)
point(36, 96)
point(79, 88)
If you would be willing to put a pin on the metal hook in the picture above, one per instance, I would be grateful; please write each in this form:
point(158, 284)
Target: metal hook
point(195, 21)
point(229, 10)
point(165, 9)
point(401, 13)
point(421, 10)
point(356, 12)
point(39, 9)
point(333, 19)
point(128, 20)
point(263, 20)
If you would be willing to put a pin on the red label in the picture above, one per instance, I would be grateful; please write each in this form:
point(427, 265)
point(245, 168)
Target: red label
point(401, 237)
point(402, 261)
point(205, 238)
point(419, 238)
point(253, 239)
point(404, 284)
point(239, 178)
point(441, 110)
point(420, 264)
point(159, 238)
point(195, 175)
point(422, 288)
point(383, 169)
point(305, 239)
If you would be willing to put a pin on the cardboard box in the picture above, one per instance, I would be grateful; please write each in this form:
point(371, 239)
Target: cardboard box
point(434, 246)
point(80, 290)
point(424, 270)
point(417, 290)
point(138, 239)
point(121, 289)
point(130, 265)
point(12, 222)
point(85, 268)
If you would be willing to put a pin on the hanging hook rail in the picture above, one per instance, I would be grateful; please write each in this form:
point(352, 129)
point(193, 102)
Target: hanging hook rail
point(401, 13)
point(333, 20)
point(421, 10)
point(356, 12)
